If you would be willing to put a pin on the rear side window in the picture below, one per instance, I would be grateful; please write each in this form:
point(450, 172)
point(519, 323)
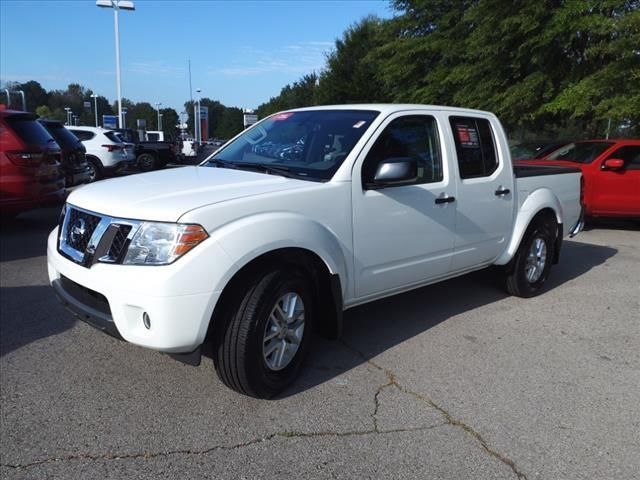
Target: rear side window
point(631, 156)
point(64, 137)
point(83, 135)
point(29, 130)
point(153, 137)
point(113, 137)
point(415, 137)
point(475, 146)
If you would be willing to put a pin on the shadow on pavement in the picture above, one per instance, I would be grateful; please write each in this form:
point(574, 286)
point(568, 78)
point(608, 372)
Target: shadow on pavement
point(30, 314)
point(373, 328)
point(25, 236)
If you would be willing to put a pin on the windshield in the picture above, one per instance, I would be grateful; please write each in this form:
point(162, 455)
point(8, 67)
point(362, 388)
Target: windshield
point(309, 145)
point(585, 152)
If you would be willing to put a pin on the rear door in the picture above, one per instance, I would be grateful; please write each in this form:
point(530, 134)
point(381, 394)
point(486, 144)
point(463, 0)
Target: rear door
point(484, 217)
point(617, 192)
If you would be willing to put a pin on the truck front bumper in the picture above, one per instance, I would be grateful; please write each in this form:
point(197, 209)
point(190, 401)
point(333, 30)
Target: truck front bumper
point(144, 305)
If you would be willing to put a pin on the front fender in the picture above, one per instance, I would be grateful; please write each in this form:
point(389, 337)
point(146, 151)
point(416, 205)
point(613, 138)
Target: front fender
point(250, 237)
point(540, 199)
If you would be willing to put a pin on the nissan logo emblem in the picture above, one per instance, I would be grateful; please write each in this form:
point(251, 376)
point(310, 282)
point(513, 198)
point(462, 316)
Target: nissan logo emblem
point(78, 229)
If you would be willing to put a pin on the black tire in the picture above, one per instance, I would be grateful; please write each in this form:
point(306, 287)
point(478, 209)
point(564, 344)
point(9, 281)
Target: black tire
point(239, 339)
point(95, 170)
point(523, 275)
point(146, 162)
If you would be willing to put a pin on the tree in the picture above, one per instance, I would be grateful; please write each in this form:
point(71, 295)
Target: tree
point(352, 72)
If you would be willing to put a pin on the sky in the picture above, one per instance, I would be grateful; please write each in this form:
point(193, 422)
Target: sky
point(242, 52)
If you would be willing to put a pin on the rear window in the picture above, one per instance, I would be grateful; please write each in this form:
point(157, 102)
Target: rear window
point(83, 135)
point(64, 137)
point(113, 137)
point(29, 130)
point(153, 137)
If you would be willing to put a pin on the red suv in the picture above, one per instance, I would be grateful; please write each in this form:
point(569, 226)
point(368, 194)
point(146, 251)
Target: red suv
point(611, 173)
point(30, 173)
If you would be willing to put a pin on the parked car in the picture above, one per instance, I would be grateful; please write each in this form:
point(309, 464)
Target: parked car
point(261, 251)
point(107, 154)
point(533, 150)
point(150, 154)
point(73, 153)
point(30, 173)
point(611, 173)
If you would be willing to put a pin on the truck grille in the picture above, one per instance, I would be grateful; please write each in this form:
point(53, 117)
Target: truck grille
point(87, 237)
point(80, 228)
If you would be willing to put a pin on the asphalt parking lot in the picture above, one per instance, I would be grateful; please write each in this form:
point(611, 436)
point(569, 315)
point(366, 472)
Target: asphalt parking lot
point(452, 381)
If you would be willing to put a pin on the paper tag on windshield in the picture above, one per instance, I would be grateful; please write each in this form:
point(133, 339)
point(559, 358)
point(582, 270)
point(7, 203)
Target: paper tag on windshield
point(282, 116)
point(359, 124)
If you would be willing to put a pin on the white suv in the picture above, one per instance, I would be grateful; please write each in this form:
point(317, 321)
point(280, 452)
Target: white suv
point(106, 153)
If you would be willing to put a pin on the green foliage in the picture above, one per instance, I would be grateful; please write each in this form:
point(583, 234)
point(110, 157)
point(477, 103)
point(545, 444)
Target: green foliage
point(224, 122)
point(543, 67)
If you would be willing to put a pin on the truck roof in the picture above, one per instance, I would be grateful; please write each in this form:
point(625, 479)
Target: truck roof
point(390, 108)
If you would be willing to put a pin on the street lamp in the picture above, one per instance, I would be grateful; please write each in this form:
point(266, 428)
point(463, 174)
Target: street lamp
point(157, 104)
point(68, 110)
point(197, 119)
point(117, 5)
point(95, 106)
point(160, 122)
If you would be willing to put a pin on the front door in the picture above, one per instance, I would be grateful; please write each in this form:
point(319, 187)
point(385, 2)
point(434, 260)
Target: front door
point(403, 235)
point(617, 192)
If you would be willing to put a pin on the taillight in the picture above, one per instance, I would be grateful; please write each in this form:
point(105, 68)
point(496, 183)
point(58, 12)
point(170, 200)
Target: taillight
point(26, 159)
point(113, 147)
point(581, 190)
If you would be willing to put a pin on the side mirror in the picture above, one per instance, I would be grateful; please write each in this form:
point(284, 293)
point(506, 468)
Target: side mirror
point(393, 172)
point(614, 164)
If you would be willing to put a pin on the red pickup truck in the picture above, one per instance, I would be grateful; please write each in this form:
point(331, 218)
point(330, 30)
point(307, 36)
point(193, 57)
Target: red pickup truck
point(611, 174)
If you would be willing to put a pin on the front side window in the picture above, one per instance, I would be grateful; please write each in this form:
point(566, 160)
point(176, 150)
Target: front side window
point(475, 147)
point(631, 156)
point(580, 152)
point(414, 137)
point(309, 145)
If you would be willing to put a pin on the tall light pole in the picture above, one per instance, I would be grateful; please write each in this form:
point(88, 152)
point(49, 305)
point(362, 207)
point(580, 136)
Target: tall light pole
point(157, 104)
point(160, 122)
point(117, 5)
point(68, 110)
point(197, 119)
point(95, 106)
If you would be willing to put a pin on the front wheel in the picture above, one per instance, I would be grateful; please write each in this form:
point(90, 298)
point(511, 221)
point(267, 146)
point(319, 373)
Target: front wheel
point(265, 335)
point(529, 269)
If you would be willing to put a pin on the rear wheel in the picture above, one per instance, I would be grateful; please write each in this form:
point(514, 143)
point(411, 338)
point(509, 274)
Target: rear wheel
point(264, 337)
point(529, 269)
point(146, 162)
point(95, 170)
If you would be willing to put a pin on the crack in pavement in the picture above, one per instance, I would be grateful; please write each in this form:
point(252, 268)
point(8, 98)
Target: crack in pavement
point(150, 455)
point(450, 419)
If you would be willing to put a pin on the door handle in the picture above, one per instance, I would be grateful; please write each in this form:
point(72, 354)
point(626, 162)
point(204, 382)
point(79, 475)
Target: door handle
point(441, 200)
point(502, 191)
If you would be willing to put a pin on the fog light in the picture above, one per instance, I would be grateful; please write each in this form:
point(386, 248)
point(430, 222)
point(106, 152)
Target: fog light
point(146, 320)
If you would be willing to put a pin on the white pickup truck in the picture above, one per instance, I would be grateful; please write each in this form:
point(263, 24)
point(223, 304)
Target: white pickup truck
point(306, 214)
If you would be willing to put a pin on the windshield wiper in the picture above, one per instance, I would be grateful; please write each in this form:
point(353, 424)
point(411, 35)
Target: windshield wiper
point(221, 163)
point(266, 168)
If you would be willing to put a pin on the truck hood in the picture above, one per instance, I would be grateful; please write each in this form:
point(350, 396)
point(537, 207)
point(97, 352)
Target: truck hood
point(166, 195)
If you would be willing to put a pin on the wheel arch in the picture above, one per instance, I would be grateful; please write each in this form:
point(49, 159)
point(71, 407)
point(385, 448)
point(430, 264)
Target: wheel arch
point(540, 204)
point(326, 286)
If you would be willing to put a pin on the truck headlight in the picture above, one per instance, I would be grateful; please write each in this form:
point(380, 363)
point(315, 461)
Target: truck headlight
point(162, 243)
